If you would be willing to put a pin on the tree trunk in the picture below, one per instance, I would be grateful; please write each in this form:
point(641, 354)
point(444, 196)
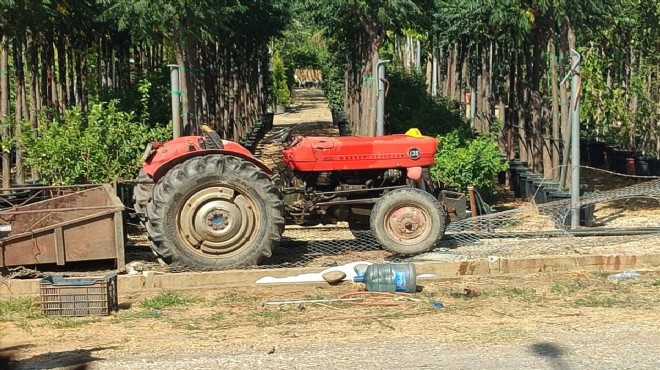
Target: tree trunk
point(451, 72)
point(48, 75)
point(4, 110)
point(521, 107)
point(33, 65)
point(633, 102)
point(511, 113)
point(362, 84)
point(538, 132)
point(80, 80)
point(71, 78)
point(186, 57)
point(61, 69)
point(556, 120)
point(19, 108)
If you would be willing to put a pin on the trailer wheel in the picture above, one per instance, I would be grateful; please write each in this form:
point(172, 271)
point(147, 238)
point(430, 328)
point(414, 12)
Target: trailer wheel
point(215, 212)
point(407, 221)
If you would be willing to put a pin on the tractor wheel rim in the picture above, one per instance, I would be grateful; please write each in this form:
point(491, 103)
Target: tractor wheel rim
point(218, 221)
point(408, 224)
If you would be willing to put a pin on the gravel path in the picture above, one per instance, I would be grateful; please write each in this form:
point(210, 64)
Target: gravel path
point(604, 347)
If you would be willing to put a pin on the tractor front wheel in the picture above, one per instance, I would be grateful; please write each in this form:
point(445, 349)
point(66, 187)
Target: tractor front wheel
point(214, 212)
point(408, 221)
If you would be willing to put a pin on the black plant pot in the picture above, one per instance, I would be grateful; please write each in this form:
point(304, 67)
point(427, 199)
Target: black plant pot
point(584, 150)
point(543, 188)
point(655, 167)
point(267, 121)
point(642, 166)
point(344, 128)
point(586, 216)
point(619, 163)
point(516, 167)
point(595, 151)
point(526, 184)
point(586, 212)
point(607, 156)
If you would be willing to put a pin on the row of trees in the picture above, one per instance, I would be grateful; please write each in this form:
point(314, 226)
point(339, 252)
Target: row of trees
point(59, 54)
point(514, 54)
point(510, 55)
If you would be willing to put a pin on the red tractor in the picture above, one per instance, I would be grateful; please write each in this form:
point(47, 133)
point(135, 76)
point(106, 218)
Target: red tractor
point(213, 205)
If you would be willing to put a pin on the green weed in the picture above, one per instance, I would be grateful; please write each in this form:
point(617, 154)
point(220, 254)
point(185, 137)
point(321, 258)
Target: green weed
point(167, 299)
point(602, 274)
point(600, 301)
point(16, 308)
point(128, 315)
point(525, 294)
point(566, 288)
point(233, 297)
point(69, 322)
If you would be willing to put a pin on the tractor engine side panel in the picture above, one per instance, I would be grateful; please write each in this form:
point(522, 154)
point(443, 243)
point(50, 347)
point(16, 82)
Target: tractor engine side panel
point(352, 153)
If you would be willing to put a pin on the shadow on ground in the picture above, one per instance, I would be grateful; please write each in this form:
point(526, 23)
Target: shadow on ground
point(78, 359)
point(551, 352)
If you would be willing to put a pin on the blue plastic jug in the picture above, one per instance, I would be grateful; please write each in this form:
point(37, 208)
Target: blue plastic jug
point(389, 277)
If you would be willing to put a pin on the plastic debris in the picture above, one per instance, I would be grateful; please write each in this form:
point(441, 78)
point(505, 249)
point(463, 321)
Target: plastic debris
point(623, 276)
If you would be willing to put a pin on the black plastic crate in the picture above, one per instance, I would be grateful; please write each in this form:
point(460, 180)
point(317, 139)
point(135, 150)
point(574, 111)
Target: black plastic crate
point(92, 296)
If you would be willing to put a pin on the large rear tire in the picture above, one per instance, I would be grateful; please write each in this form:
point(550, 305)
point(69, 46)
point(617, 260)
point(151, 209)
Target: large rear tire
point(407, 221)
point(215, 212)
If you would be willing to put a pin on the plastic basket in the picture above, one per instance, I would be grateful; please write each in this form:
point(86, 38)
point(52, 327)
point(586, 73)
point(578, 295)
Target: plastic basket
point(79, 296)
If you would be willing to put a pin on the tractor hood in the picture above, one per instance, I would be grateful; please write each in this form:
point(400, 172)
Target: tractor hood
point(351, 153)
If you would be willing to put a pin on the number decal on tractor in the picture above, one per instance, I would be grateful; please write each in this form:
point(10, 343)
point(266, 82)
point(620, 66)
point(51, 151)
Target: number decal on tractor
point(414, 153)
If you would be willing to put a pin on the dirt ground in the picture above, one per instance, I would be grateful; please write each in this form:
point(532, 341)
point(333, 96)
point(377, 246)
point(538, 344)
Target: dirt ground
point(555, 313)
point(577, 320)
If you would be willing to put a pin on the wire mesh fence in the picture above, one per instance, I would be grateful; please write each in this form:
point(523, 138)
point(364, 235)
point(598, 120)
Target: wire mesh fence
point(623, 220)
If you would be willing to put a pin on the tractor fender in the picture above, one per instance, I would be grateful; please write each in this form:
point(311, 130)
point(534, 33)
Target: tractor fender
point(161, 157)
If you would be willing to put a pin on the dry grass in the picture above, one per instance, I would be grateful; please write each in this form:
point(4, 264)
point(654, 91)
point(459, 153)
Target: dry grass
point(509, 309)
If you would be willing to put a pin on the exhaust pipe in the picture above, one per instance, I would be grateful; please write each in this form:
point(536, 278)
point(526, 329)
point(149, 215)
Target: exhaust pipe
point(383, 86)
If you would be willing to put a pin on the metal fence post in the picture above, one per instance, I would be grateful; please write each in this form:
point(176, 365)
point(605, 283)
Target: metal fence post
point(176, 100)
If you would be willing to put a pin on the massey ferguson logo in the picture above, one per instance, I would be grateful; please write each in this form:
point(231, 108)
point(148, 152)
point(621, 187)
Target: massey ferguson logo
point(414, 153)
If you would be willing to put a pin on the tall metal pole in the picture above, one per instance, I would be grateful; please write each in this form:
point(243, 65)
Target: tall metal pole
point(575, 141)
point(176, 100)
point(380, 107)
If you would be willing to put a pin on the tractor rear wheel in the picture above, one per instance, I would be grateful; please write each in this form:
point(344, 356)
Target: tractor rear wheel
point(214, 212)
point(407, 221)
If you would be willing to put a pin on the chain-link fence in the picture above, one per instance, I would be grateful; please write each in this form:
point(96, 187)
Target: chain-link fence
point(625, 220)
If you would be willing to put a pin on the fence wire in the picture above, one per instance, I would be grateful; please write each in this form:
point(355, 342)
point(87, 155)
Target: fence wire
point(627, 220)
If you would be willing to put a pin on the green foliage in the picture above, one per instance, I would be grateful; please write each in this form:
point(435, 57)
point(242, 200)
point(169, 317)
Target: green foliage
point(464, 160)
point(606, 110)
point(16, 308)
point(280, 84)
point(333, 82)
point(408, 105)
point(149, 99)
point(100, 146)
point(166, 299)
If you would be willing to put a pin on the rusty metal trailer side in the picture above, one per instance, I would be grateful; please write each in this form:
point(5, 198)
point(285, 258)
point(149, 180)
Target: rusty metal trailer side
point(81, 226)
